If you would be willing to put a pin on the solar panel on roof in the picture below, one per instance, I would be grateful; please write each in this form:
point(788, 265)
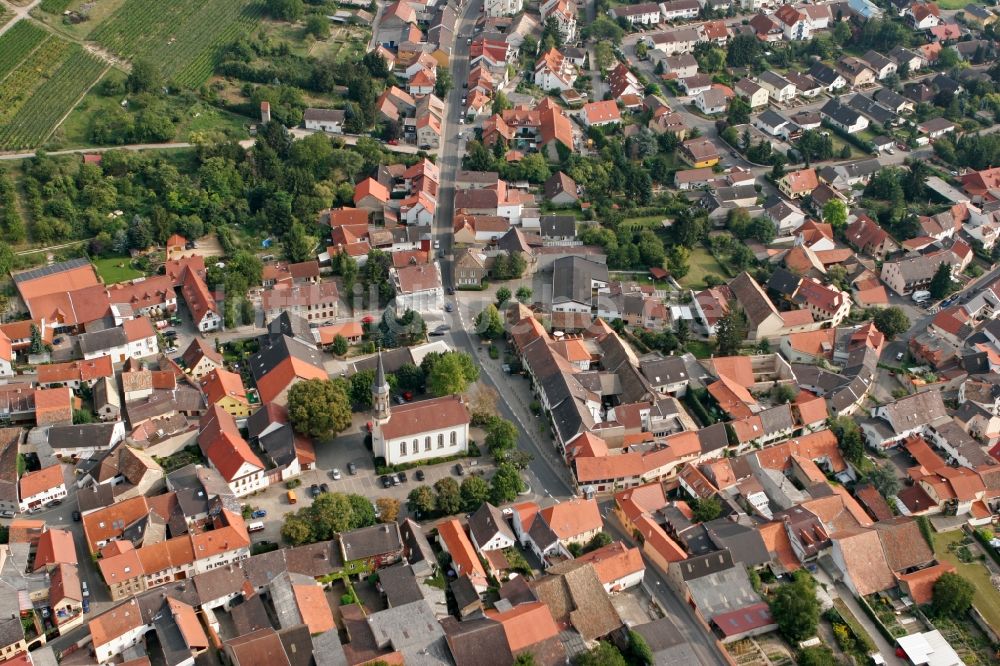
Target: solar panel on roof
point(59, 267)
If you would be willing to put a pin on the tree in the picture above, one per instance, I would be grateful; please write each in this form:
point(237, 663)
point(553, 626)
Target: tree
point(285, 10)
point(682, 331)
point(298, 246)
point(505, 484)
point(678, 261)
point(339, 345)
point(81, 416)
point(817, 655)
point(319, 407)
point(318, 26)
point(37, 345)
point(296, 531)
point(884, 480)
point(783, 393)
point(443, 83)
point(421, 500)
point(795, 608)
point(947, 58)
point(452, 374)
point(605, 654)
point(144, 77)
point(638, 649)
point(474, 491)
point(599, 540)
point(730, 332)
point(892, 321)
point(500, 103)
point(525, 659)
point(362, 511)
point(503, 295)
point(835, 214)
point(409, 377)
point(705, 509)
point(449, 496)
point(501, 436)
point(841, 32)
point(941, 284)
point(739, 112)
point(952, 595)
point(523, 294)
point(743, 50)
point(849, 439)
point(604, 55)
point(489, 323)
point(388, 509)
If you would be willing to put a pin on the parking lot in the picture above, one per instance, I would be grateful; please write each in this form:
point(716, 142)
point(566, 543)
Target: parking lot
point(336, 454)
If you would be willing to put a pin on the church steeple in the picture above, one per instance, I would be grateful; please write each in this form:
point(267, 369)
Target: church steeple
point(380, 392)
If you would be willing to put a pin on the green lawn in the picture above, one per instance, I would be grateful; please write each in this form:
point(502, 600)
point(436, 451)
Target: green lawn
point(116, 269)
point(192, 116)
point(987, 599)
point(700, 348)
point(702, 264)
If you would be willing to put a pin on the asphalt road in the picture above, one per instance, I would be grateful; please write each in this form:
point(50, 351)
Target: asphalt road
point(676, 610)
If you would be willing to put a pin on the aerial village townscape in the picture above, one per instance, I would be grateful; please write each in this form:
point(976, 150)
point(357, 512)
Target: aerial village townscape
point(496, 332)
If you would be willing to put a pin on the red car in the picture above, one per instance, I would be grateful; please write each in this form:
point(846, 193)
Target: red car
point(393, 142)
point(407, 395)
point(367, 319)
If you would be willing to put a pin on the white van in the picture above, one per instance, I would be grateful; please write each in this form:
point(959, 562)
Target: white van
point(921, 296)
point(255, 527)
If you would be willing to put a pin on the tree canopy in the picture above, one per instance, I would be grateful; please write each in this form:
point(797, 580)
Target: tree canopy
point(319, 407)
point(891, 321)
point(449, 373)
point(952, 595)
point(795, 608)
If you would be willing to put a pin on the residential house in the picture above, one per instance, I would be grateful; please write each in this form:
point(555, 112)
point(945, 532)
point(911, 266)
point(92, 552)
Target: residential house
point(756, 95)
point(330, 121)
point(40, 488)
point(855, 71)
point(843, 117)
point(598, 114)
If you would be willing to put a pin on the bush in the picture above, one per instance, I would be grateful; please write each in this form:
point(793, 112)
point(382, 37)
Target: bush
point(292, 484)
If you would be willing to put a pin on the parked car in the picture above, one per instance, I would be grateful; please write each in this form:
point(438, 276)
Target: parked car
point(170, 333)
point(314, 490)
point(407, 395)
point(419, 475)
point(352, 469)
point(899, 356)
point(395, 480)
point(325, 488)
point(335, 474)
point(386, 482)
point(459, 469)
point(76, 516)
point(451, 291)
point(259, 513)
point(398, 399)
point(448, 307)
point(402, 477)
point(171, 350)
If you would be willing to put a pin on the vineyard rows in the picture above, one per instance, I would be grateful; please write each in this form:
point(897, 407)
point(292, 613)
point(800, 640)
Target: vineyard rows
point(182, 37)
point(35, 119)
point(17, 43)
point(20, 84)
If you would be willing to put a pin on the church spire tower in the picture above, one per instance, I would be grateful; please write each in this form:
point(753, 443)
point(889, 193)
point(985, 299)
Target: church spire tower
point(380, 393)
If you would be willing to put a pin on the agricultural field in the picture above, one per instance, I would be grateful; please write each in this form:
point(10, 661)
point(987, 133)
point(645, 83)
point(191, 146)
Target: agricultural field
point(182, 38)
point(41, 79)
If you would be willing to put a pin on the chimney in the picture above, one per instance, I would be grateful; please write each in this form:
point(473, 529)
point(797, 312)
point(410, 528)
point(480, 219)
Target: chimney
point(265, 112)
